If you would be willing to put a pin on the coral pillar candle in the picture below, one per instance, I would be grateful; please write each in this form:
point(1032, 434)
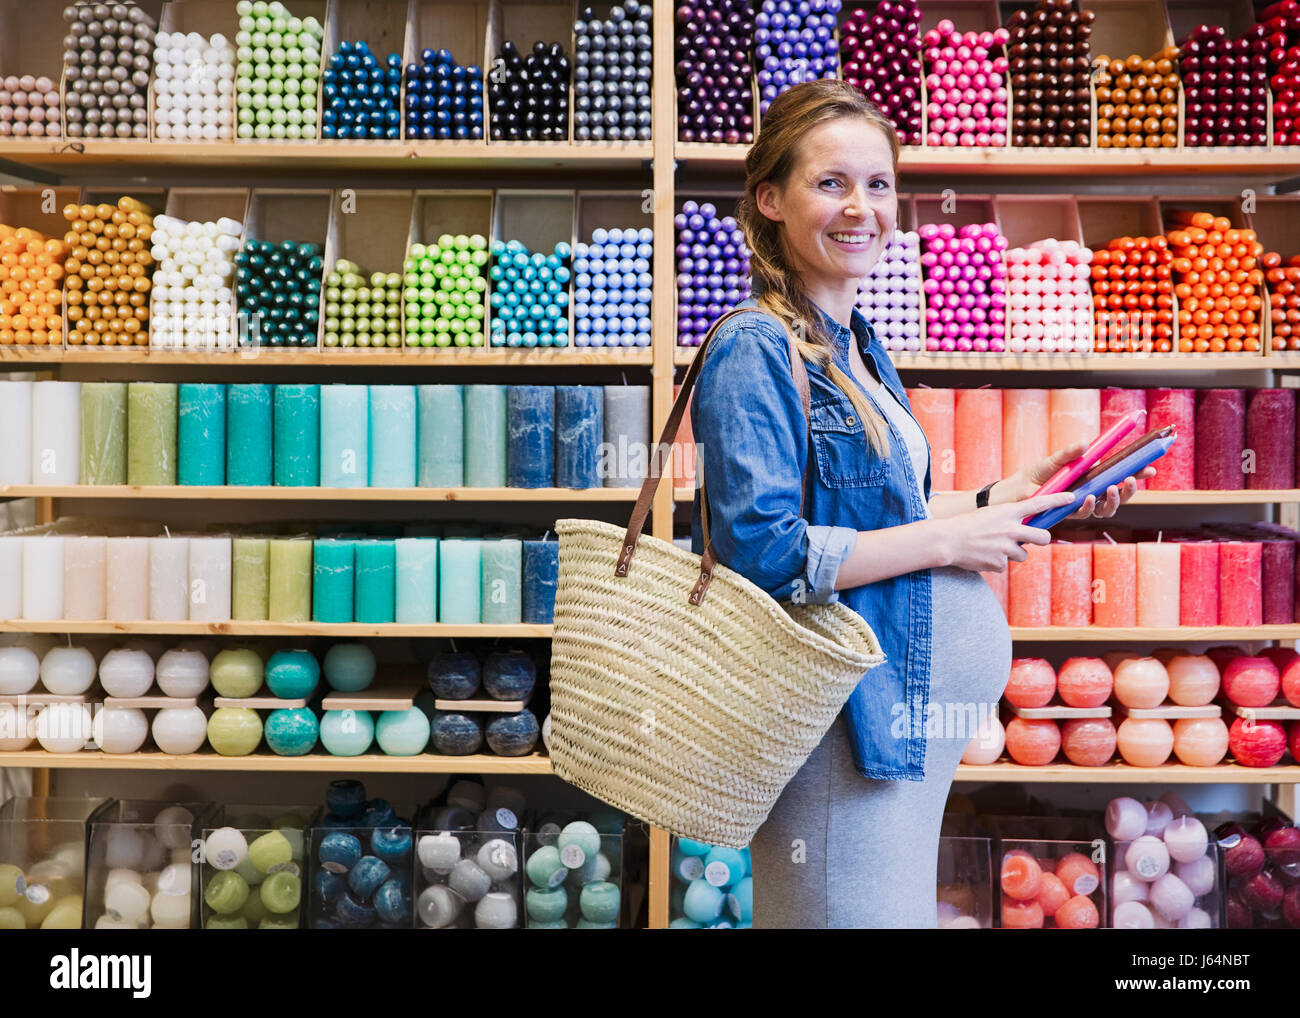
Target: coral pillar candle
point(1175, 471)
point(1277, 576)
point(83, 578)
point(1025, 428)
point(151, 433)
point(169, 567)
point(1198, 588)
point(1240, 594)
point(1114, 584)
point(209, 579)
point(934, 410)
point(1119, 403)
point(126, 570)
point(1071, 584)
point(103, 433)
point(43, 577)
point(998, 582)
point(977, 422)
point(1158, 582)
point(1075, 416)
point(1220, 439)
point(1270, 439)
point(56, 433)
point(1029, 588)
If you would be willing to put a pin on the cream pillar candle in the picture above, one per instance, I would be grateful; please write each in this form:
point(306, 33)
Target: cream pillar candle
point(43, 577)
point(16, 427)
point(209, 579)
point(126, 585)
point(83, 578)
point(169, 568)
point(56, 433)
point(1158, 577)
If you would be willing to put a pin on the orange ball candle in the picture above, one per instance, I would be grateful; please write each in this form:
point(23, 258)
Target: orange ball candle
point(1085, 682)
point(1193, 680)
point(1145, 742)
point(1022, 878)
point(1079, 913)
point(1200, 742)
point(1141, 682)
point(1088, 742)
point(1079, 873)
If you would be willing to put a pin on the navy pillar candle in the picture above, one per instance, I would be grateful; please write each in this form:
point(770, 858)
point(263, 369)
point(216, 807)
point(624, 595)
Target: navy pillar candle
point(530, 423)
point(248, 434)
point(541, 573)
point(579, 427)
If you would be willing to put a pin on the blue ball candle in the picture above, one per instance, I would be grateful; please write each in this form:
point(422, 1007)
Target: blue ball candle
point(454, 675)
point(278, 289)
point(291, 731)
point(612, 288)
point(456, 734)
point(513, 734)
point(402, 732)
point(391, 844)
point(509, 674)
point(530, 295)
point(444, 100)
point(345, 797)
point(712, 268)
point(365, 877)
point(599, 902)
point(353, 912)
point(723, 867)
point(362, 94)
point(339, 851)
point(291, 674)
point(703, 901)
point(347, 732)
point(546, 905)
point(327, 887)
point(392, 902)
point(794, 43)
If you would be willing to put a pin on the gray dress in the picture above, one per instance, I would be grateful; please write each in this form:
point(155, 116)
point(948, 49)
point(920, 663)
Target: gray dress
point(843, 851)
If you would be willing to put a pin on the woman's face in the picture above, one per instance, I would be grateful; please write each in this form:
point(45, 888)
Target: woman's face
point(839, 204)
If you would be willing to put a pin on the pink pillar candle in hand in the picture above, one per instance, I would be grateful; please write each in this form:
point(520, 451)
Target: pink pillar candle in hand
point(978, 437)
point(1220, 439)
point(1175, 470)
point(1024, 428)
point(1029, 587)
point(1193, 680)
point(83, 578)
point(934, 411)
point(1200, 742)
point(1074, 417)
point(998, 581)
point(1277, 579)
point(1198, 587)
point(1114, 583)
point(1240, 595)
point(1119, 403)
point(1157, 583)
point(1145, 742)
point(1071, 584)
point(1271, 438)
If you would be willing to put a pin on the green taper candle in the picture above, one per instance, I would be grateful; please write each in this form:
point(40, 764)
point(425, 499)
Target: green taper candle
point(103, 432)
point(201, 433)
point(290, 598)
point(250, 578)
point(151, 433)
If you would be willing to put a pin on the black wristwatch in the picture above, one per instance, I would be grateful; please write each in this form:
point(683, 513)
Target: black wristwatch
point(982, 496)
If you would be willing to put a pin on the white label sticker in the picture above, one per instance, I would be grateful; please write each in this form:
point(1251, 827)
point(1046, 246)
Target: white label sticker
point(692, 868)
point(1086, 883)
point(225, 859)
point(334, 867)
point(557, 878)
point(572, 856)
point(291, 867)
point(37, 894)
point(717, 873)
point(507, 819)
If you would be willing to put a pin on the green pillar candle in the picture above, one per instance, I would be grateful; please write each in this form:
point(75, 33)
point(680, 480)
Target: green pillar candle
point(201, 433)
point(290, 580)
point(440, 451)
point(485, 436)
point(248, 434)
point(297, 435)
point(151, 433)
point(103, 432)
point(460, 580)
point(332, 580)
point(250, 578)
point(502, 568)
point(376, 579)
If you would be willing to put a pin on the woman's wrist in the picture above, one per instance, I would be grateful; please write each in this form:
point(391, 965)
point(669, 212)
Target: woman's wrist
point(1004, 491)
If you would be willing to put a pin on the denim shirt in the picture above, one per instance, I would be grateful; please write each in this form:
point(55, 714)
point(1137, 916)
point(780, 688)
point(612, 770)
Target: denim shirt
point(748, 423)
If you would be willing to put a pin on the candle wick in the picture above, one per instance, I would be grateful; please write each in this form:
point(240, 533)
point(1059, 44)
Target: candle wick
point(1159, 534)
point(453, 646)
point(166, 531)
point(623, 374)
point(1109, 538)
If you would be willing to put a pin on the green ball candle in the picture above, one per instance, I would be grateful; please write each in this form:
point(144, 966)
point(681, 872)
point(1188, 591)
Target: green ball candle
point(281, 892)
point(234, 731)
point(226, 892)
point(270, 850)
point(362, 310)
point(226, 922)
point(443, 291)
point(236, 672)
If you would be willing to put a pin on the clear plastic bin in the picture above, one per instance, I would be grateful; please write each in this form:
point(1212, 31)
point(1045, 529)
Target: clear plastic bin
point(43, 861)
point(251, 867)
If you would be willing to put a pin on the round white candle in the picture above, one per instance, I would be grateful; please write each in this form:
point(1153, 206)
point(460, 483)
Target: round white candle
point(121, 729)
point(16, 426)
point(64, 727)
point(172, 828)
point(170, 911)
point(169, 566)
point(180, 730)
point(125, 672)
point(67, 671)
point(127, 901)
point(16, 732)
point(19, 670)
point(126, 568)
point(43, 577)
point(83, 577)
point(182, 672)
point(209, 579)
point(56, 433)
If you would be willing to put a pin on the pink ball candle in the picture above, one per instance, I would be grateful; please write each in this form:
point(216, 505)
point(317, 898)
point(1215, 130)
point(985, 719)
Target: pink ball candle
point(1193, 680)
point(1256, 743)
point(1141, 682)
point(1126, 818)
point(1291, 683)
point(1186, 838)
point(1147, 858)
point(1085, 682)
point(1088, 742)
point(1199, 874)
point(1200, 742)
point(1145, 742)
point(987, 744)
point(1172, 898)
point(1132, 915)
point(1033, 743)
point(1159, 816)
point(1124, 886)
point(1032, 682)
point(1251, 681)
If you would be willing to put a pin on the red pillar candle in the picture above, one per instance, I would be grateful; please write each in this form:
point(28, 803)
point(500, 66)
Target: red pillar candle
point(998, 581)
point(1220, 439)
point(1114, 584)
point(1174, 470)
point(1075, 416)
point(1240, 600)
point(1198, 583)
point(1270, 438)
point(1024, 428)
point(1277, 573)
point(934, 411)
point(1029, 588)
point(1071, 584)
point(977, 420)
point(1118, 403)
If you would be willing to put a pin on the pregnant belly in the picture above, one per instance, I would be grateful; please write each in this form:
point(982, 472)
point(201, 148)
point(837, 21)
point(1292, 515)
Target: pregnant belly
point(970, 655)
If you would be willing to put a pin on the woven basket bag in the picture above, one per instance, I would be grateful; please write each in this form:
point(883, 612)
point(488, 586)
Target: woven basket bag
point(689, 712)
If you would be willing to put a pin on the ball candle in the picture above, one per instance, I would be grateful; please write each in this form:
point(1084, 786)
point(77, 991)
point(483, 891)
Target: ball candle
point(1132, 915)
point(1199, 874)
point(234, 731)
point(108, 308)
point(1147, 858)
point(179, 730)
point(1085, 681)
point(120, 730)
point(347, 732)
point(1088, 742)
point(291, 731)
point(712, 46)
point(19, 670)
point(987, 744)
point(444, 99)
point(1145, 742)
point(1193, 680)
point(1200, 742)
point(1257, 743)
point(1126, 819)
point(1032, 683)
point(25, 321)
point(528, 100)
point(611, 73)
point(1251, 681)
point(1186, 839)
point(107, 72)
point(64, 727)
point(1141, 682)
point(67, 671)
point(1033, 743)
point(706, 242)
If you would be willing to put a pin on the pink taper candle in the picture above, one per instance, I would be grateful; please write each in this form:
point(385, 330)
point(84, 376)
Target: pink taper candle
point(1116, 403)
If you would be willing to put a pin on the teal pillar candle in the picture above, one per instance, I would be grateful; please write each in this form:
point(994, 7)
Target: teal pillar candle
point(460, 580)
point(332, 580)
point(441, 447)
point(485, 436)
point(502, 590)
point(344, 445)
point(376, 581)
point(417, 579)
point(248, 434)
point(392, 436)
point(297, 436)
point(201, 434)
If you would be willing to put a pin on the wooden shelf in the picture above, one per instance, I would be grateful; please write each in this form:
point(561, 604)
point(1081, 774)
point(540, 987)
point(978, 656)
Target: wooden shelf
point(1179, 634)
point(1100, 363)
point(370, 763)
point(1121, 773)
point(354, 630)
point(238, 493)
point(352, 357)
point(1260, 496)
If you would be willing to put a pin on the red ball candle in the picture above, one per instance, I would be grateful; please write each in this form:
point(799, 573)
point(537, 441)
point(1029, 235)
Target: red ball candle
point(1256, 743)
point(1033, 743)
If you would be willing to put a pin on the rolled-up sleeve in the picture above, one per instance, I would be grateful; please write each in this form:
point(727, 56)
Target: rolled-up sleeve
point(752, 443)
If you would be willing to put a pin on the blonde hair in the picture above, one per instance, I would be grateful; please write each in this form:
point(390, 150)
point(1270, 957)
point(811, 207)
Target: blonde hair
point(773, 157)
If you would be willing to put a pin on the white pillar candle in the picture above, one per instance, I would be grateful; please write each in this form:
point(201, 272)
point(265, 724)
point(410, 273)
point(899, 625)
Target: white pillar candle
point(43, 577)
point(16, 426)
point(83, 578)
point(126, 672)
point(67, 671)
point(126, 568)
point(210, 579)
point(11, 575)
point(56, 433)
point(169, 568)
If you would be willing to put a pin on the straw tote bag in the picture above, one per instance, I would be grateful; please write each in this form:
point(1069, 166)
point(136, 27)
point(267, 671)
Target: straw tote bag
point(691, 712)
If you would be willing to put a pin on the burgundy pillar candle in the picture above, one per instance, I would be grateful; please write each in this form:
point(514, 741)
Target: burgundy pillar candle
point(715, 90)
point(1119, 403)
point(1277, 573)
point(1198, 583)
point(1281, 22)
point(1270, 438)
point(1220, 439)
point(1240, 580)
point(1175, 469)
point(880, 53)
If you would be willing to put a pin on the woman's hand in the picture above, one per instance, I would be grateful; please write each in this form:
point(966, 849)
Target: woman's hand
point(1024, 483)
point(985, 540)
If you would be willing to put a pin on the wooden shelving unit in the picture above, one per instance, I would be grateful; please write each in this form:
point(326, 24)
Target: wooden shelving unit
point(237, 493)
point(1123, 774)
point(315, 763)
point(340, 630)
